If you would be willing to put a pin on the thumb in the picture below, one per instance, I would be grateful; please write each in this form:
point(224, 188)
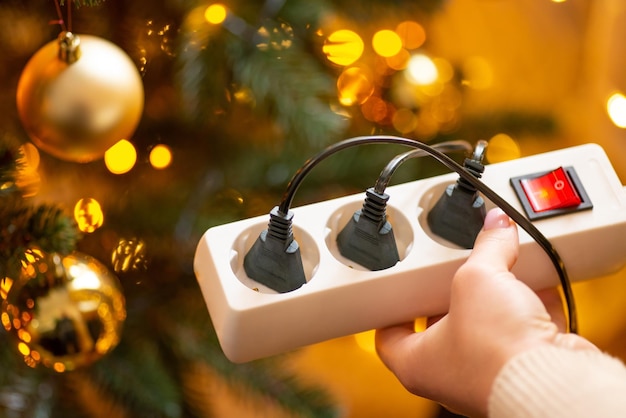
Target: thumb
point(497, 244)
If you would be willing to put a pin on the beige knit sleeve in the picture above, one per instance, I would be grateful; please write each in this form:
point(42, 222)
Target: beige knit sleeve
point(557, 382)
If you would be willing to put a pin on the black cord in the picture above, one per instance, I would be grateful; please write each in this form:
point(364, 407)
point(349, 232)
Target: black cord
point(385, 176)
point(516, 216)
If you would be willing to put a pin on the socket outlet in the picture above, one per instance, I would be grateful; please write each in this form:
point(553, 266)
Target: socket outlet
point(341, 298)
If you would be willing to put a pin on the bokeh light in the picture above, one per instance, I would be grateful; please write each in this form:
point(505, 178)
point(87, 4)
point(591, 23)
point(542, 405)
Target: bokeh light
point(374, 109)
point(616, 107)
point(386, 43)
point(121, 157)
point(502, 148)
point(422, 70)
point(445, 71)
point(88, 215)
point(404, 120)
point(129, 255)
point(477, 73)
point(354, 86)
point(343, 47)
point(399, 61)
point(215, 14)
point(411, 34)
point(160, 157)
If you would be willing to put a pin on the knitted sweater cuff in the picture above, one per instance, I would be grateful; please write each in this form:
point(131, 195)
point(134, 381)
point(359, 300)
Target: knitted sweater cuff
point(559, 382)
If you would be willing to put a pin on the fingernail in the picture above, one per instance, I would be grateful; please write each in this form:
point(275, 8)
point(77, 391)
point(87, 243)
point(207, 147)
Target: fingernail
point(496, 218)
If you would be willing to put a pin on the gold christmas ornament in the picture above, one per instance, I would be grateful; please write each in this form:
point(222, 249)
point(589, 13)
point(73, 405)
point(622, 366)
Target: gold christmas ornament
point(64, 312)
point(78, 96)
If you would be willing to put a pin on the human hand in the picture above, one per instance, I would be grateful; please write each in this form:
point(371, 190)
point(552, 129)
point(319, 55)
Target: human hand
point(492, 317)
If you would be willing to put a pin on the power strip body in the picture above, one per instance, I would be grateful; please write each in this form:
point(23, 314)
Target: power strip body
point(341, 298)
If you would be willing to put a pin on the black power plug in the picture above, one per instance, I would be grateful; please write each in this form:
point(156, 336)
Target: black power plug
point(368, 238)
point(460, 212)
point(274, 259)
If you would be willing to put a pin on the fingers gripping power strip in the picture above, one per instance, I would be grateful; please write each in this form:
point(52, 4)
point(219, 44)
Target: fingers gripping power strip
point(342, 298)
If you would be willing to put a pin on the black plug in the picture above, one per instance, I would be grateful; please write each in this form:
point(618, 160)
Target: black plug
point(368, 238)
point(274, 260)
point(459, 214)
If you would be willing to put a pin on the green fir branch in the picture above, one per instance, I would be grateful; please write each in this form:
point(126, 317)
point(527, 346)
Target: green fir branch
point(290, 86)
point(191, 338)
point(137, 378)
point(79, 3)
point(24, 226)
point(45, 227)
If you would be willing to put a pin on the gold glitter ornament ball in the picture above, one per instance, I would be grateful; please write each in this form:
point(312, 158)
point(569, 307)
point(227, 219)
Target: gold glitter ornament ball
point(79, 95)
point(64, 312)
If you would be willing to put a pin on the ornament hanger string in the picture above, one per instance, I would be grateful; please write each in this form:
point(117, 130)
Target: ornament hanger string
point(61, 21)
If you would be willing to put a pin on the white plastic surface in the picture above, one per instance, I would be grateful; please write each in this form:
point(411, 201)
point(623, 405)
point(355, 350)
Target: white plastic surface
point(341, 298)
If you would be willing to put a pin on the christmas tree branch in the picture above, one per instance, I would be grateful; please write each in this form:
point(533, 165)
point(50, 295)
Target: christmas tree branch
point(79, 3)
point(191, 338)
point(24, 226)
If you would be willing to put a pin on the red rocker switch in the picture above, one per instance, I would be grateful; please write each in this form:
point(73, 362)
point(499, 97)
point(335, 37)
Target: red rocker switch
point(553, 190)
point(551, 193)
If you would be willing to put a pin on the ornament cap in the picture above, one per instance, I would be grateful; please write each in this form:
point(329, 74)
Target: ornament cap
point(69, 47)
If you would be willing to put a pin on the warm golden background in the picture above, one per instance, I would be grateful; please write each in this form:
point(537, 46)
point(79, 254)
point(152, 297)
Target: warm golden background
point(529, 75)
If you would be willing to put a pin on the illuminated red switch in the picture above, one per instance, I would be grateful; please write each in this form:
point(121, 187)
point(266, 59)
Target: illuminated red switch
point(553, 190)
point(551, 193)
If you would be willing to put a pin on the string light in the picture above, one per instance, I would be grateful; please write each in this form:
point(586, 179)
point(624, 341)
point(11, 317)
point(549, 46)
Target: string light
point(386, 43)
point(160, 157)
point(88, 215)
point(422, 70)
point(343, 47)
point(121, 157)
point(215, 14)
point(616, 107)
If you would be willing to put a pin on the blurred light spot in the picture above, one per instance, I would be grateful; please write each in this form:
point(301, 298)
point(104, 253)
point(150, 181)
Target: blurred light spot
point(215, 14)
point(23, 348)
point(5, 287)
point(502, 148)
point(411, 34)
point(160, 157)
point(427, 127)
point(445, 106)
point(386, 43)
point(616, 107)
point(121, 157)
point(477, 73)
point(354, 86)
point(275, 38)
point(445, 70)
point(88, 214)
point(6, 322)
point(343, 47)
point(129, 255)
point(24, 336)
point(404, 120)
point(168, 44)
point(399, 61)
point(244, 95)
point(374, 109)
point(421, 70)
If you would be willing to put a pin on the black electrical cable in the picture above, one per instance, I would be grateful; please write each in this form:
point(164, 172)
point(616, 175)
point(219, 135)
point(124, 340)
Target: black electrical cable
point(516, 216)
point(385, 176)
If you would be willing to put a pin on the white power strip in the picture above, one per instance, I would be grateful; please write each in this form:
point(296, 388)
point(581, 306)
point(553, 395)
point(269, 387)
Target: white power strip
point(341, 298)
